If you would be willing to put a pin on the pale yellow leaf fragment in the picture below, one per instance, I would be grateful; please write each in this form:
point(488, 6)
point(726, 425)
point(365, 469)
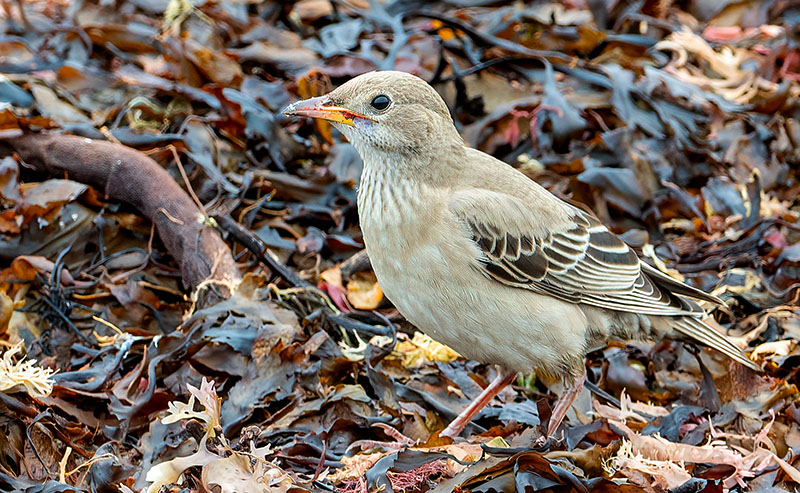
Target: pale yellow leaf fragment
point(421, 349)
point(364, 292)
point(24, 373)
point(649, 251)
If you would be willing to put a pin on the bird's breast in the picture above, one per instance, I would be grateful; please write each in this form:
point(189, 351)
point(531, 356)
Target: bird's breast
point(403, 221)
point(407, 229)
point(417, 248)
point(427, 265)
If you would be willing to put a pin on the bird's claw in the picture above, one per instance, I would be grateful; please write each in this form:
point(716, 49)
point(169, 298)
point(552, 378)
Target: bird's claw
point(542, 443)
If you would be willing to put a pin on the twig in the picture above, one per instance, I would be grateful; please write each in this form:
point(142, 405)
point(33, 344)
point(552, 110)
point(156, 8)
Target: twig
point(260, 250)
point(349, 323)
point(186, 180)
point(613, 400)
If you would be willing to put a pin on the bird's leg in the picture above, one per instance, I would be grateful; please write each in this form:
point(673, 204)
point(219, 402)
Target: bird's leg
point(501, 381)
point(564, 403)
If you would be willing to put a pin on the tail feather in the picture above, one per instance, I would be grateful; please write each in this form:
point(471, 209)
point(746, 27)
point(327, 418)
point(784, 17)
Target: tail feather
point(676, 287)
point(697, 330)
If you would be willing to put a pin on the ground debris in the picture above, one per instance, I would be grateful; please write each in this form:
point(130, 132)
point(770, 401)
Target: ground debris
point(185, 299)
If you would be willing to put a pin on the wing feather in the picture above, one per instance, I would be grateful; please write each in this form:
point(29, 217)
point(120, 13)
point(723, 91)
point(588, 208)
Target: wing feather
point(581, 262)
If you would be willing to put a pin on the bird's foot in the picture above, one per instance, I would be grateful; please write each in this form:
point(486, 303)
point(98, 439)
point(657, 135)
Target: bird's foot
point(563, 404)
point(454, 429)
point(501, 381)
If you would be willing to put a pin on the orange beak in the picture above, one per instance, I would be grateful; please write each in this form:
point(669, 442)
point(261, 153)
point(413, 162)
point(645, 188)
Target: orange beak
point(320, 107)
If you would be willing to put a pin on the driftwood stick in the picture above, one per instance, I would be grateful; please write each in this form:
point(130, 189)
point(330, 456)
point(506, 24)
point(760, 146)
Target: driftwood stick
point(129, 176)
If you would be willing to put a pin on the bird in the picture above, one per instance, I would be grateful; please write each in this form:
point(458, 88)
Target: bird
point(482, 258)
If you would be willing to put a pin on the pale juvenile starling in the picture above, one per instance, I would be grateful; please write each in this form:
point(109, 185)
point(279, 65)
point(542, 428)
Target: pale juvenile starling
point(484, 259)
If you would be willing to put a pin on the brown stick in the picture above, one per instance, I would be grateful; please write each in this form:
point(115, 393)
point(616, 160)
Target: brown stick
point(127, 175)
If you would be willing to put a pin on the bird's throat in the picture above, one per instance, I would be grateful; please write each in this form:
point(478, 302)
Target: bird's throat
point(387, 197)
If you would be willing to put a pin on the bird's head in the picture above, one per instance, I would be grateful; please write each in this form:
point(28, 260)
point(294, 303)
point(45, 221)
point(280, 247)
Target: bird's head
point(384, 113)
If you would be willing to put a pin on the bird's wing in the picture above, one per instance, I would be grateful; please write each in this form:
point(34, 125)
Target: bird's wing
point(577, 260)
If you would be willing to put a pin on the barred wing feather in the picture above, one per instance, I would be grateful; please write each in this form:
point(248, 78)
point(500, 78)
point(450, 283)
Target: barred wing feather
point(582, 262)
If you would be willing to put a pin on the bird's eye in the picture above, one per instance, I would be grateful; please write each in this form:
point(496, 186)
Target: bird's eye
point(380, 102)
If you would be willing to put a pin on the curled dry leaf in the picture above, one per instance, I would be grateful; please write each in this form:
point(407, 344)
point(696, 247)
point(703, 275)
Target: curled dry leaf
point(727, 75)
point(363, 291)
point(167, 472)
point(243, 473)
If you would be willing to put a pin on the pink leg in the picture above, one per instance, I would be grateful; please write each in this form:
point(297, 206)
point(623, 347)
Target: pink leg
point(564, 403)
point(500, 382)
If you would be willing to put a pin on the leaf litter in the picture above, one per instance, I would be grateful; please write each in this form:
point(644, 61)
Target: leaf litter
point(228, 334)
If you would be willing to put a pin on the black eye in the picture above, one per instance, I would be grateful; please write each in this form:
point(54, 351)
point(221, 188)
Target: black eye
point(380, 102)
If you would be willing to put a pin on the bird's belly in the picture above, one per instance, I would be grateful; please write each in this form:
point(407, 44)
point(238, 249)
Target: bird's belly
point(437, 285)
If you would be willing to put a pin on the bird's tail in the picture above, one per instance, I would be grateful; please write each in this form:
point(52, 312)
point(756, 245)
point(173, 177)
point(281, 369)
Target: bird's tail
point(697, 330)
